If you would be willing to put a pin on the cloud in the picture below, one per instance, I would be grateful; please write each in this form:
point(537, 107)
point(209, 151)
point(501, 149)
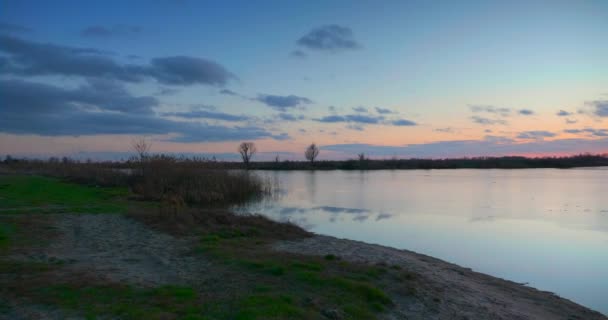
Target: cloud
point(487, 121)
point(600, 107)
point(112, 31)
point(354, 126)
point(446, 130)
point(360, 109)
point(183, 70)
point(41, 109)
point(535, 135)
point(403, 122)
point(290, 117)
point(571, 121)
point(13, 28)
point(332, 38)
point(298, 54)
point(589, 131)
point(384, 111)
point(282, 103)
point(356, 118)
point(204, 114)
point(228, 92)
point(21, 97)
point(526, 112)
point(33, 58)
point(503, 112)
point(473, 148)
point(563, 113)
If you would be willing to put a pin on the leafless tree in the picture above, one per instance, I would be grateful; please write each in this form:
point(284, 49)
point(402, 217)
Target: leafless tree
point(361, 157)
point(311, 153)
point(247, 150)
point(141, 147)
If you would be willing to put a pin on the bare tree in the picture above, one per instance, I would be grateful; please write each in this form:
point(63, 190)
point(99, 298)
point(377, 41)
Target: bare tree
point(311, 153)
point(141, 147)
point(247, 150)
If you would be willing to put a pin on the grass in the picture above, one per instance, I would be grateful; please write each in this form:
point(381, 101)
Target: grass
point(6, 230)
point(290, 280)
point(35, 194)
point(124, 302)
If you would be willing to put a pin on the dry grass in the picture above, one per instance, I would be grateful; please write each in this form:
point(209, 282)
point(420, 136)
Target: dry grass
point(190, 221)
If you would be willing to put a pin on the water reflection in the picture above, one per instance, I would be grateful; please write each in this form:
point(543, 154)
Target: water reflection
point(547, 227)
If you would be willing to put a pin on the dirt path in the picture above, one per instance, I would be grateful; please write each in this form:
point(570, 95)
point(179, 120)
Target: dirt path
point(445, 290)
point(123, 250)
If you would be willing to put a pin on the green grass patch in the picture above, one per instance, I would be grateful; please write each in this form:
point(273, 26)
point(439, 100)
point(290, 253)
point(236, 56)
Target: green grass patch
point(290, 280)
point(124, 302)
point(35, 194)
point(6, 231)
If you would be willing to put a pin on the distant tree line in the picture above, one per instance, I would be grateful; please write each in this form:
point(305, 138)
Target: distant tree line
point(248, 150)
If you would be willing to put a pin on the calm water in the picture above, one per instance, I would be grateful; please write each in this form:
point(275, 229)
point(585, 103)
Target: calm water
point(545, 227)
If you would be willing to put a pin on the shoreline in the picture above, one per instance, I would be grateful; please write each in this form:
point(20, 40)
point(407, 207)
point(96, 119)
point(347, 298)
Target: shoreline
point(461, 292)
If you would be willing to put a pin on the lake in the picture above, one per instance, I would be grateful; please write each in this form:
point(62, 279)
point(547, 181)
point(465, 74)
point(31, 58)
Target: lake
point(544, 227)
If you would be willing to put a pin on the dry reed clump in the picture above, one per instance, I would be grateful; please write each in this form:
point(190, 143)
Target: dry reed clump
point(195, 184)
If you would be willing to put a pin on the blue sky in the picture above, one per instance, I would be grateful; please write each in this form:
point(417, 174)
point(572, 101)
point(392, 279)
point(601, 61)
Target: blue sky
point(409, 76)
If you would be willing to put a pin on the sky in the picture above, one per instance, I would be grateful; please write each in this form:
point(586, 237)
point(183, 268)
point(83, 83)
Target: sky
point(430, 79)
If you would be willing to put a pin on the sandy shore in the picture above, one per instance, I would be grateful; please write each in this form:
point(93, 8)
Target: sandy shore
point(445, 290)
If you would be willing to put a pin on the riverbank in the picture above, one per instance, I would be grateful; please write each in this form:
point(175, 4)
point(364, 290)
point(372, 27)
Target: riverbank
point(132, 260)
point(91, 253)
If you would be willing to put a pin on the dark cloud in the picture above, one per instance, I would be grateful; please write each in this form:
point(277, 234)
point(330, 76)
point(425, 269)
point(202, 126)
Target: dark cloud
point(360, 109)
point(204, 114)
point(563, 113)
point(535, 135)
point(282, 103)
point(384, 111)
point(356, 118)
point(589, 131)
point(228, 92)
point(33, 58)
point(330, 38)
point(166, 91)
point(23, 97)
point(290, 117)
point(183, 70)
point(600, 107)
point(526, 112)
point(13, 28)
point(487, 121)
point(298, 54)
point(403, 122)
point(112, 31)
point(41, 109)
point(503, 112)
point(472, 148)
